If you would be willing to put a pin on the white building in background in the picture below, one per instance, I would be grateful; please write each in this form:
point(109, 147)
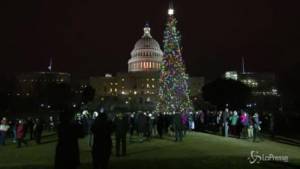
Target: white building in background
point(262, 84)
point(146, 55)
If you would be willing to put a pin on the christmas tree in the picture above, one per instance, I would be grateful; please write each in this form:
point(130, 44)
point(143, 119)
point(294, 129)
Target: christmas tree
point(173, 91)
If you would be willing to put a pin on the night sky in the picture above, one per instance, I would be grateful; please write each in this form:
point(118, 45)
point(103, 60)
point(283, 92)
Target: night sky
point(94, 37)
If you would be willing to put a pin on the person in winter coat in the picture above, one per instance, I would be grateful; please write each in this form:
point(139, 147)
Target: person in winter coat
point(30, 125)
point(3, 130)
point(160, 125)
point(38, 130)
point(132, 124)
point(225, 116)
point(245, 124)
point(256, 127)
point(142, 126)
point(67, 154)
point(184, 122)
point(102, 142)
point(21, 131)
point(177, 125)
point(233, 123)
point(121, 127)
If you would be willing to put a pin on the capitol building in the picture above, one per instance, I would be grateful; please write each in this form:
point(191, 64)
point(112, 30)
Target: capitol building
point(146, 55)
point(138, 88)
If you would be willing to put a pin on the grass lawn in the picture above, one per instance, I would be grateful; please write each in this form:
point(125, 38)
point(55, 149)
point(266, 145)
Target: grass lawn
point(198, 150)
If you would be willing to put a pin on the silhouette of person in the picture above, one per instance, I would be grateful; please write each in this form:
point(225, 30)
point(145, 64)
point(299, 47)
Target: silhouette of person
point(160, 124)
point(102, 142)
point(121, 126)
point(38, 130)
point(67, 150)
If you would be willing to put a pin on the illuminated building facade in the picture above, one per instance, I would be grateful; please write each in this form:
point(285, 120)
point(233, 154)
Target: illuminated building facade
point(28, 83)
point(262, 84)
point(146, 55)
point(139, 87)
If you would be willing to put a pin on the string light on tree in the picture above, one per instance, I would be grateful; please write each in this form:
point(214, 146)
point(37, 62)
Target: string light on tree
point(173, 91)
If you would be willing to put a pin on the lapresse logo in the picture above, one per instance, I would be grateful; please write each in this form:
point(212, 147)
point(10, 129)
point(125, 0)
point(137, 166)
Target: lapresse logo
point(256, 158)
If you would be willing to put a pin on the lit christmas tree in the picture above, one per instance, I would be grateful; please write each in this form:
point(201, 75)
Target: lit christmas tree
point(173, 91)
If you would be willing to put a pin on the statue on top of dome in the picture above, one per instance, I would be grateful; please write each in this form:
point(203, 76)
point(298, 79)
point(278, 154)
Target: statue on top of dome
point(147, 30)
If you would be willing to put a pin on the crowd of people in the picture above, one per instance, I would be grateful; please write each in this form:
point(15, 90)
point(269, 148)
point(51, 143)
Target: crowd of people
point(101, 126)
point(139, 126)
point(144, 126)
point(236, 124)
point(18, 129)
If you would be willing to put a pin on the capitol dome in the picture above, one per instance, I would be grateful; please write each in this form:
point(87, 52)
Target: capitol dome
point(146, 55)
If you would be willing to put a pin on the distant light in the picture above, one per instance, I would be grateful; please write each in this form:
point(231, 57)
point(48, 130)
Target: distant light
point(42, 105)
point(49, 106)
point(85, 112)
point(95, 114)
point(171, 12)
point(74, 105)
point(102, 110)
point(108, 75)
